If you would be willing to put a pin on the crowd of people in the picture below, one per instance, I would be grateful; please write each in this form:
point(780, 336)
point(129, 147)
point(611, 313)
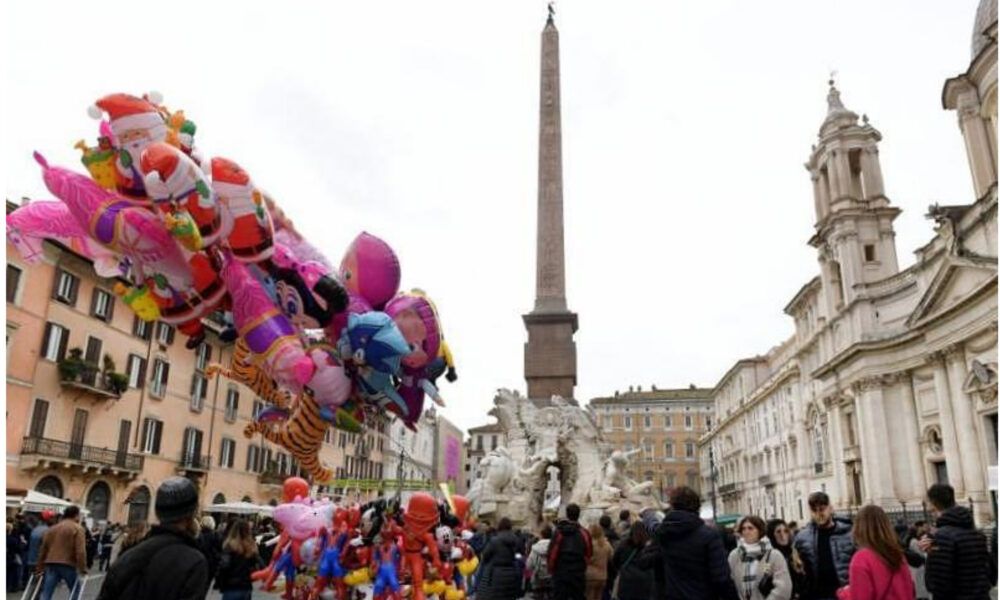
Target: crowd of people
point(663, 556)
point(678, 556)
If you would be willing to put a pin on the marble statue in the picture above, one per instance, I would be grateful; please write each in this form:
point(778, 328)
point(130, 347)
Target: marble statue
point(564, 436)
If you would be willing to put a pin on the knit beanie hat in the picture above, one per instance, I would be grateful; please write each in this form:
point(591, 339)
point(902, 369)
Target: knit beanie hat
point(176, 499)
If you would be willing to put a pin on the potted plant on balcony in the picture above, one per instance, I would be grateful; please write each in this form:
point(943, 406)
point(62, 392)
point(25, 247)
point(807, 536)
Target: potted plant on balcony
point(71, 366)
point(115, 382)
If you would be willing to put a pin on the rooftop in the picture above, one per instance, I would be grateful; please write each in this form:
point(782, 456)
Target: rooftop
point(654, 395)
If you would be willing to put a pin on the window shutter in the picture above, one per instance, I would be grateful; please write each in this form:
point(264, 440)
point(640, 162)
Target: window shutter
point(45, 339)
point(145, 433)
point(93, 302)
point(111, 308)
point(73, 289)
point(55, 285)
point(170, 335)
point(158, 432)
point(164, 374)
point(142, 373)
point(63, 341)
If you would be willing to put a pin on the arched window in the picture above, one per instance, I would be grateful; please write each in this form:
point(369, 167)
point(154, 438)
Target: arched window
point(98, 501)
point(219, 498)
point(50, 485)
point(247, 499)
point(138, 505)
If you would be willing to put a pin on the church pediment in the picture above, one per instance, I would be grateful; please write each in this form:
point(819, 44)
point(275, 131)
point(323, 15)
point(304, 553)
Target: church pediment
point(957, 278)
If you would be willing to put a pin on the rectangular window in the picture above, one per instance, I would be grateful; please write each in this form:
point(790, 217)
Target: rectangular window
point(203, 356)
point(628, 423)
point(152, 431)
point(38, 417)
point(689, 449)
point(869, 253)
point(258, 406)
point(93, 352)
point(668, 422)
point(102, 305)
point(253, 459)
point(141, 329)
point(647, 422)
point(199, 389)
point(164, 334)
point(66, 287)
point(232, 404)
point(54, 344)
point(493, 442)
point(668, 449)
point(228, 453)
point(688, 422)
point(136, 369)
point(708, 422)
point(13, 282)
point(161, 373)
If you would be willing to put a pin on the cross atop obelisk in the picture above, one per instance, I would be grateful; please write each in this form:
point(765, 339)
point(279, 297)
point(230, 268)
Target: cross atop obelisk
point(550, 353)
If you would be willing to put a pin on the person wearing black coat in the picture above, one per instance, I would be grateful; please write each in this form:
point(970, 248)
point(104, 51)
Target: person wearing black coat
point(238, 561)
point(500, 577)
point(632, 567)
point(695, 564)
point(168, 564)
point(569, 553)
point(210, 543)
point(958, 558)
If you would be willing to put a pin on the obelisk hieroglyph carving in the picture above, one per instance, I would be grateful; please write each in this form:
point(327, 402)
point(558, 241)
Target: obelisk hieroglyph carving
point(550, 353)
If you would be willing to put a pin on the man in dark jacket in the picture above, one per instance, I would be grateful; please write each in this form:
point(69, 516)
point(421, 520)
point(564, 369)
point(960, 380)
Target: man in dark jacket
point(168, 564)
point(609, 531)
point(826, 548)
point(958, 560)
point(695, 565)
point(569, 553)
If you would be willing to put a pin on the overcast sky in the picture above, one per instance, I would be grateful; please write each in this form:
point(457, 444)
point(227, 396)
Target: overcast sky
point(685, 127)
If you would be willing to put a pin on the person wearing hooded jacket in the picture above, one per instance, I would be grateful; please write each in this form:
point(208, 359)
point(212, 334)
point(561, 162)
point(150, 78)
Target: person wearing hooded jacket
point(754, 559)
point(569, 552)
point(695, 565)
point(500, 577)
point(168, 564)
point(958, 559)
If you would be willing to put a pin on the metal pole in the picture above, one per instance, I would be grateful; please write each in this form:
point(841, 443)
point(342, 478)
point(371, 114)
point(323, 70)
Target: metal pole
point(712, 476)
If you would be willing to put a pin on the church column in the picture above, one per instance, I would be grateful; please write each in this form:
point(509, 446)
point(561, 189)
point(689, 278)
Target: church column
point(836, 449)
point(949, 439)
point(972, 468)
point(841, 174)
point(871, 173)
point(977, 146)
point(877, 462)
point(818, 196)
point(911, 435)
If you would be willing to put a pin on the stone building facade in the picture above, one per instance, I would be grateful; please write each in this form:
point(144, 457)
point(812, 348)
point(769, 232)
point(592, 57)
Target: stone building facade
point(73, 438)
point(664, 425)
point(481, 440)
point(889, 383)
point(433, 454)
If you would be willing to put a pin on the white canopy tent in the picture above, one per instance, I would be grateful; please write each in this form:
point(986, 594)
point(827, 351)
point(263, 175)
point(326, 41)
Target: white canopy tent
point(240, 508)
point(36, 501)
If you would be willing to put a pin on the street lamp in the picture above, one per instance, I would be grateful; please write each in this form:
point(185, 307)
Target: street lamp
point(712, 476)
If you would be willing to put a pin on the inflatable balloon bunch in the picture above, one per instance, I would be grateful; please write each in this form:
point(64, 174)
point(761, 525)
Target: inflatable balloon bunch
point(418, 552)
point(189, 236)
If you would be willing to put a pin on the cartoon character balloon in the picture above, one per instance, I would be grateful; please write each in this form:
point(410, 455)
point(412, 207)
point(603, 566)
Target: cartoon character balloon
point(370, 269)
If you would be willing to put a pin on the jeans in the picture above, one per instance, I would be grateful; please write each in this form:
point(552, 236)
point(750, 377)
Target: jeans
point(237, 595)
point(56, 573)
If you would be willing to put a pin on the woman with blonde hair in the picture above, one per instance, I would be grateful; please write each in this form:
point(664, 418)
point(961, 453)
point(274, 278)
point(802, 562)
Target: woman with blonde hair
point(597, 568)
point(878, 569)
point(134, 533)
point(238, 561)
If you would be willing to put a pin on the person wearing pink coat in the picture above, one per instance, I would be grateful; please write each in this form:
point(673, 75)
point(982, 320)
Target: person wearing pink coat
point(878, 569)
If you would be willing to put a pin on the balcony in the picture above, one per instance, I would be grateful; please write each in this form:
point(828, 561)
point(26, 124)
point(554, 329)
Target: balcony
point(43, 453)
point(271, 477)
point(765, 480)
point(77, 374)
point(729, 488)
point(194, 464)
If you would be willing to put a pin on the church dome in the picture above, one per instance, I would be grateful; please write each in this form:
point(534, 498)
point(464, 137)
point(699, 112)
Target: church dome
point(986, 15)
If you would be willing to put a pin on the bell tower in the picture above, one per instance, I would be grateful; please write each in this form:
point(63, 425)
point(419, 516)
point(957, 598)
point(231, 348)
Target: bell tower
point(853, 232)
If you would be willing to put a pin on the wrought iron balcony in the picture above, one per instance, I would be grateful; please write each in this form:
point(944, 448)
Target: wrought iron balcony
point(271, 477)
point(91, 381)
point(44, 452)
point(728, 488)
point(194, 462)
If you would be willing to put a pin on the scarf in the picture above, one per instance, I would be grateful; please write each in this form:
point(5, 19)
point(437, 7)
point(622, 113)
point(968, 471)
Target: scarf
point(751, 555)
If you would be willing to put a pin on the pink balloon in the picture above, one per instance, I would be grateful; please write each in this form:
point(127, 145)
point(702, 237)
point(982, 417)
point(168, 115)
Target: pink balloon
point(356, 306)
point(30, 225)
point(370, 269)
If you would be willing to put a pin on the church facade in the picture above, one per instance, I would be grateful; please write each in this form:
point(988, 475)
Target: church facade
point(889, 383)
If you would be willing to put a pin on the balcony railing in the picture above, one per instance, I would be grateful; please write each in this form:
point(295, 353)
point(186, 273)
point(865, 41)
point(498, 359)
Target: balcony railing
point(727, 488)
point(765, 480)
point(194, 462)
point(92, 381)
point(82, 453)
point(271, 477)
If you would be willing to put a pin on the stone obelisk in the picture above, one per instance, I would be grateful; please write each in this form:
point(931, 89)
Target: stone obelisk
point(550, 353)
